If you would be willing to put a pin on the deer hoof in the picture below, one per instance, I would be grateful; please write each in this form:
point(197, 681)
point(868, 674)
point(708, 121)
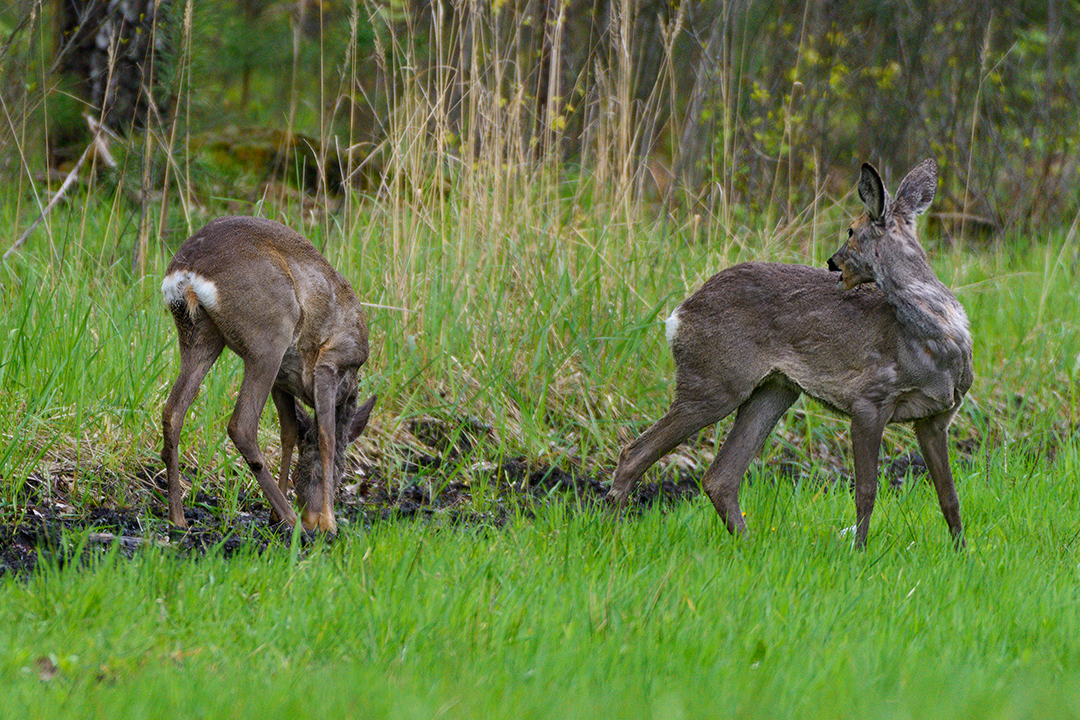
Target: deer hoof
point(322, 522)
point(327, 523)
point(615, 504)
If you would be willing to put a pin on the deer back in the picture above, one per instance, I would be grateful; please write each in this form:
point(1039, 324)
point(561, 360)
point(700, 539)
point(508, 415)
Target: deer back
point(842, 347)
point(264, 285)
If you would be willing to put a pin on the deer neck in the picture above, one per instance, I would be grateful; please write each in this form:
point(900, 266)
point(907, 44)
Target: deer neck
point(924, 305)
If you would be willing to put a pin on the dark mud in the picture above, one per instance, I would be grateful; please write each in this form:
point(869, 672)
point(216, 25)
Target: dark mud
point(514, 490)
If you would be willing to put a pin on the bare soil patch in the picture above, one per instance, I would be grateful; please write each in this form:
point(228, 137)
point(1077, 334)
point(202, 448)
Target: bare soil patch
point(514, 488)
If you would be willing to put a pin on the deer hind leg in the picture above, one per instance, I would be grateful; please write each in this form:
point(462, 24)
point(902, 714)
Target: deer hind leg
point(200, 346)
point(753, 423)
point(867, 427)
point(290, 428)
point(683, 419)
point(259, 375)
point(933, 437)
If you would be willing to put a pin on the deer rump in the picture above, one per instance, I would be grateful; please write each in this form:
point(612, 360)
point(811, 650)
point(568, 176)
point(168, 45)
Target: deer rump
point(757, 323)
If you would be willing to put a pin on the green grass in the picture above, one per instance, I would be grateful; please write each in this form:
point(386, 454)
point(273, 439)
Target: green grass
point(571, 614)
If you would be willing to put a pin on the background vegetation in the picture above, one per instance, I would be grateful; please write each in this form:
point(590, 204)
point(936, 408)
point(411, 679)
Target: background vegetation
point(712, 105)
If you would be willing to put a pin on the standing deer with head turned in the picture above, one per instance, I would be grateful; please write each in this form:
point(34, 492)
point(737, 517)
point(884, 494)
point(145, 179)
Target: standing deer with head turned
point(757, 335)
point(264, 291)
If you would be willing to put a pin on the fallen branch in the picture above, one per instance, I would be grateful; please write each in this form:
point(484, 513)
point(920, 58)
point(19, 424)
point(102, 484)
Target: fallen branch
point(95, 145)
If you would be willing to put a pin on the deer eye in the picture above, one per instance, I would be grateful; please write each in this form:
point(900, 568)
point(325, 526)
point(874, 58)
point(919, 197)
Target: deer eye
point(850, 232)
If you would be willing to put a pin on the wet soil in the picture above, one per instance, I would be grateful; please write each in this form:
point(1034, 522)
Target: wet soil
point(514, 490)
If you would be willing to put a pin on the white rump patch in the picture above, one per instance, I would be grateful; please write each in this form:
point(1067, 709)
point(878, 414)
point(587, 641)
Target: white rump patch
point(176, 285)
point(671, 326)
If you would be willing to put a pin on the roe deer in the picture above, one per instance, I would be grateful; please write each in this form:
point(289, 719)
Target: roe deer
point(264, 291)
point(757, 335)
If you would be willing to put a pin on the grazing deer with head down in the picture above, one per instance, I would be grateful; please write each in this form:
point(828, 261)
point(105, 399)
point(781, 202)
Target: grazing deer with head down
point(264, 291)
point(757, 335)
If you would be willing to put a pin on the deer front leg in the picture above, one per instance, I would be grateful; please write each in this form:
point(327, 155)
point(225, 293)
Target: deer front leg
point(866, 430)
point(326, 380)
point(933, 436)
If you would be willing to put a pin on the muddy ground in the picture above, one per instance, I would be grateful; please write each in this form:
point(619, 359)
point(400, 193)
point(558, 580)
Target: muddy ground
point(44, 526)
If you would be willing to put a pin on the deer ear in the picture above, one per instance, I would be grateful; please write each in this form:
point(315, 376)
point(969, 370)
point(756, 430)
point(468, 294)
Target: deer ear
point(872, 192)
point(917, 189)
point(359, 419)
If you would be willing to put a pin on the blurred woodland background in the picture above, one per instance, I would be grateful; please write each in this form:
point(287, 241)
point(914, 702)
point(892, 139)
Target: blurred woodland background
point(719, 107)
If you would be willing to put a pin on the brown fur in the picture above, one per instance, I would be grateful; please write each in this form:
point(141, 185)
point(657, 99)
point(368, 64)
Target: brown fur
point(264, 291)
point(758, 335)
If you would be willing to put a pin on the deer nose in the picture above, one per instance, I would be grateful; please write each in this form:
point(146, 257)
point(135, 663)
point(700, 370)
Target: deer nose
point(833, 266)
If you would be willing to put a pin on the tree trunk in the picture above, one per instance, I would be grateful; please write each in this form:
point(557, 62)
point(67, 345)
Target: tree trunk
point(110, 55)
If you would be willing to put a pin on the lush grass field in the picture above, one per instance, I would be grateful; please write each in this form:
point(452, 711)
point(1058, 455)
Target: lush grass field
point(570, 614)
point(539, 318)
